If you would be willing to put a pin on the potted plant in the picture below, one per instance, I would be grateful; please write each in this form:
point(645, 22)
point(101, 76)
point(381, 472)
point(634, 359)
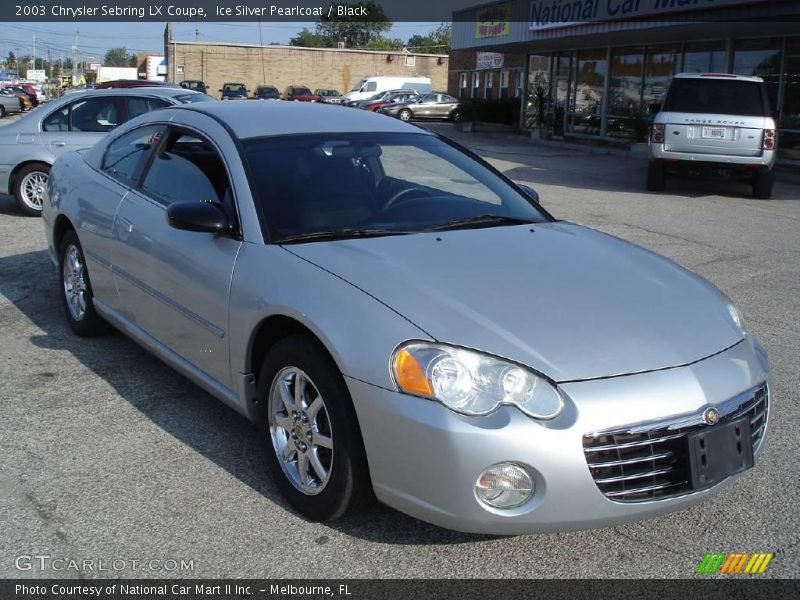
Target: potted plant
point(468, 113)
point(540, 103)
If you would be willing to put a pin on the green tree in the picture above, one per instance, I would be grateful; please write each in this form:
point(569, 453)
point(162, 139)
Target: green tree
point(384, 43)
point(118, 57)
point(308, 39)
point(436, 42)
point(353, 28)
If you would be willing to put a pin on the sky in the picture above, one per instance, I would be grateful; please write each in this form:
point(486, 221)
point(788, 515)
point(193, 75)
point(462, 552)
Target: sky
point(95, 39)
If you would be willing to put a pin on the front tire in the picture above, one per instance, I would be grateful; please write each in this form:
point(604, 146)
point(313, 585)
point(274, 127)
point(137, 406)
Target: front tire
point(76, 289)
point(30, 187)
point(762, 185)
point(404, 115)
point(310, 432)
point(655, 177)
point(2, 111)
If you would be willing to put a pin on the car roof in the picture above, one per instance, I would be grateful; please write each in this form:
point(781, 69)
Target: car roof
point(260, 119)
point(729, 76)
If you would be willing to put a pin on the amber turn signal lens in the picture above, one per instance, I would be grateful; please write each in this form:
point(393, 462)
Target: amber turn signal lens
point(410, 375)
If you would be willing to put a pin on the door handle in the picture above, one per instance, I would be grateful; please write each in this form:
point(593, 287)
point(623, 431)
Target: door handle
point(58, 144)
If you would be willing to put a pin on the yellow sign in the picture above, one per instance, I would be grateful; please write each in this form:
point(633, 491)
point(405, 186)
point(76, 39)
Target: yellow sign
point(493, 21)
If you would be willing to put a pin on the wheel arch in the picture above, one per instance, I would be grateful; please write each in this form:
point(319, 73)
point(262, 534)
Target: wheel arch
point(15, 171)
point(60, 227)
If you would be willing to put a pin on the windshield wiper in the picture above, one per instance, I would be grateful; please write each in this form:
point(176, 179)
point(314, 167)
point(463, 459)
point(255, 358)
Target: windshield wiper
point(480, 220)
point(338, 234)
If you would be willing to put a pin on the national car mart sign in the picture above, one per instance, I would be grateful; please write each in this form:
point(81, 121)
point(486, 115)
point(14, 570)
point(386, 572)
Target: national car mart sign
point(548, 14)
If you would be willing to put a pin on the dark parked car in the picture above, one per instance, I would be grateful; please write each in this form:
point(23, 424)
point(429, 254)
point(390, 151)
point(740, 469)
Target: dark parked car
point(194, 85)
point(379, 96)
point(427, 106)
point(328, 96)
point(267, 92)
point(129, 83)
point(234, 91)
point(299, 93)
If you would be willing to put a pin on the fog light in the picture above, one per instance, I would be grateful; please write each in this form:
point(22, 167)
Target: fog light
point(504, 486)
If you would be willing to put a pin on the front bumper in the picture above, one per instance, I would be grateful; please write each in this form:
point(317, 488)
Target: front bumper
point(424, 459)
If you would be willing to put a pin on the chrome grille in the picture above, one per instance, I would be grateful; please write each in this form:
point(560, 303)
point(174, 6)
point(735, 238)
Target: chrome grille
point(650, 461)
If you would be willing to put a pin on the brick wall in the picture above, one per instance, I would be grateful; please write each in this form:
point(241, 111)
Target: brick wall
point(286, 65)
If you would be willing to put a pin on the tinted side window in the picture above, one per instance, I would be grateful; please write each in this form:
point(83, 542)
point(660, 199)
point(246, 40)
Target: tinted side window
point(58, 121)
point(125, 156)
point(96, 115)
point(187, 169)
point(138, 106)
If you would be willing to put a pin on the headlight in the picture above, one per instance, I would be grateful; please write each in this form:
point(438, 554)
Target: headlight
point(472, 383)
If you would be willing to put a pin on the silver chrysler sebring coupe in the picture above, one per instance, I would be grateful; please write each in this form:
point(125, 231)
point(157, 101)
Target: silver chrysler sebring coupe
point(403, 322)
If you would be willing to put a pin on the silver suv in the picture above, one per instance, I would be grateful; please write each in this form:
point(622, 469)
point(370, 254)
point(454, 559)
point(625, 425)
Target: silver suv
point(716, 125)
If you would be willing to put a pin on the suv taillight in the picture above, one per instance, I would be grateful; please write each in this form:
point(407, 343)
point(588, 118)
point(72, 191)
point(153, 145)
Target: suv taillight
point(770, 136)
point(657, 133)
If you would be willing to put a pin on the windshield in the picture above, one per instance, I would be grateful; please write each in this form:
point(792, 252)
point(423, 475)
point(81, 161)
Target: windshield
point(234, 87)
point(357, 86)
point(716, 96)
point(380, 183)
point(193, 98)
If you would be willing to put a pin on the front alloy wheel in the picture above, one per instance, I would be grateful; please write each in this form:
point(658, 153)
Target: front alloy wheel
point(300, 430)
point(76, 288)
point(405, 115)
point(310, 431)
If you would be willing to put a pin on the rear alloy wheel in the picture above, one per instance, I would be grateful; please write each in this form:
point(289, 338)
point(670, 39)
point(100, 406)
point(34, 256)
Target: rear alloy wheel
point(77, 289)
point(762, 185)
point(30, 187)
point(2, 111)
point(655, 177)
point(310, 431)
point(404, 115)
point(455, 116)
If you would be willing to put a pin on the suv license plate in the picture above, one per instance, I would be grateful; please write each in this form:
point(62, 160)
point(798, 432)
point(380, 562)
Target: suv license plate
point(717, 133)
point(717, 452)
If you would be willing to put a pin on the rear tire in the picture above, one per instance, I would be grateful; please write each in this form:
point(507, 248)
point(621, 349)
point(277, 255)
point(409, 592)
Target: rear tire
point(76, 289)
point(30, 186)
point(762, 185)
point(404, 115)
point(2, 111)
point(315, 455)
point(655, 177)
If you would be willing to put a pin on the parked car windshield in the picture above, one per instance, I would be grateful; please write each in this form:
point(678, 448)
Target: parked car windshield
point(716, 96)
point(234, 87)
point(358, 184)
point(192, 98)
point(301, 91)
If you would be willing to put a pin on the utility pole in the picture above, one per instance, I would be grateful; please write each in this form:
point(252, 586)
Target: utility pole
point(75, 60)
point(34, 52)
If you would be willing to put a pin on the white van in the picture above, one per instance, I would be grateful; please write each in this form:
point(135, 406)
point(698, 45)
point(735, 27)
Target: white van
point(369, 86)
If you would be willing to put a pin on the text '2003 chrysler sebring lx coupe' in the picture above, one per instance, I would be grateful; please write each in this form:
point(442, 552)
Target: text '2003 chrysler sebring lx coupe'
point(402, 321)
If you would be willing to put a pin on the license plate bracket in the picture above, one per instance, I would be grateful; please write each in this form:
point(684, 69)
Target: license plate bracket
point(714, 133)
point(716, 453)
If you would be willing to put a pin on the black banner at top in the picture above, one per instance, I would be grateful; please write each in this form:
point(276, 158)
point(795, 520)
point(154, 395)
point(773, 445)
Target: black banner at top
point(427, 589)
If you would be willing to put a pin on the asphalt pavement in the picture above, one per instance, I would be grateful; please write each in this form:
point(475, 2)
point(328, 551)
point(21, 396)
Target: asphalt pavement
point(108, 454)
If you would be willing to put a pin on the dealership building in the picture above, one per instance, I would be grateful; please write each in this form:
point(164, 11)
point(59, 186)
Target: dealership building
point(607, 63)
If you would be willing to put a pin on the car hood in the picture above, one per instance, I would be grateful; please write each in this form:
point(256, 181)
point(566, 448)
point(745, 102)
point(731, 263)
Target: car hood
point(568, 301)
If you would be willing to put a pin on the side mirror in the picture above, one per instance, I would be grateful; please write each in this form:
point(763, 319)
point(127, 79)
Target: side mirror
point(204, 217)
point(530, 192)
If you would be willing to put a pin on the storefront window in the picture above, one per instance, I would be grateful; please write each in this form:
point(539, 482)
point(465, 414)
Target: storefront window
point(661, 64)
point(705, 57)
point(789, 140)
point(625, 94)
point(538, 78)
point(504, 84)
point(488, 81)
point(590, 78)
point(462, 84)
point(762, 58)
point(475, 84)
point(563, 90)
